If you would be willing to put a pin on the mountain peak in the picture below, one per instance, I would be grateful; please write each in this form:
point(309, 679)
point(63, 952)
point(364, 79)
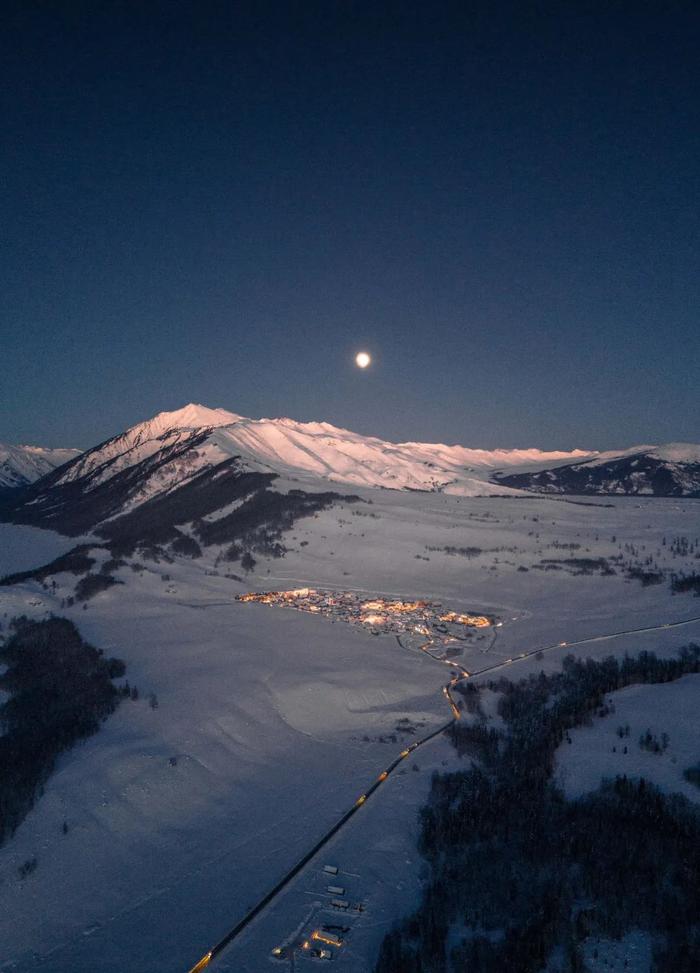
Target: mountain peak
point(192, 416)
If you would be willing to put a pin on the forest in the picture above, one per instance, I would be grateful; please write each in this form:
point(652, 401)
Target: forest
point(59, 689)
point(520, 876)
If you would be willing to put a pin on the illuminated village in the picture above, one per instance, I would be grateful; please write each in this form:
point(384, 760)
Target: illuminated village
point(424, 621)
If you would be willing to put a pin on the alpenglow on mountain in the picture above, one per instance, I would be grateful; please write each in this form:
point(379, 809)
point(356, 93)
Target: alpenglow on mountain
point(195, 445)
point(182, 466)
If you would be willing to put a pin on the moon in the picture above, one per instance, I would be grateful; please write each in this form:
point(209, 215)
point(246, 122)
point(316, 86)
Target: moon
point(362, 359)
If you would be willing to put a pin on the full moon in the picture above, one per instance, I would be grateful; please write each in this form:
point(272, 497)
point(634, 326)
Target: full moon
point(362, 359)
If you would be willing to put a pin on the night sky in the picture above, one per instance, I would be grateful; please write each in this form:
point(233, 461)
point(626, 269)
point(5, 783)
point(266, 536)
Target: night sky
point(222, 203)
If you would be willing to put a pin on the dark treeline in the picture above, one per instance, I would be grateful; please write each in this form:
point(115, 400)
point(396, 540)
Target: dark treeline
point(257, 525)
point(680, 584)
point(520, 871)
point(76, 561)
point(254, 527)
point(155, 522)
point(93, 584)
point(60, 689)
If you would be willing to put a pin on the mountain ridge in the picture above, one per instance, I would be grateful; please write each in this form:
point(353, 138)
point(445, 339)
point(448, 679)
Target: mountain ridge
point(203, 437)
point(23, 464)
point(165, 453)
point(669, 470)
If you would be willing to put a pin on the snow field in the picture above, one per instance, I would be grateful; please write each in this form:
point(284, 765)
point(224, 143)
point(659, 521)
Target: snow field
point(671, 708)
point(265, 712)
point(265, 722)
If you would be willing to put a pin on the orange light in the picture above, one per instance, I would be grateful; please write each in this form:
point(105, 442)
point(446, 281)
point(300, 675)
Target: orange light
point(327, 938)
point(203, 963)
point(373, 619)
point(476, 621)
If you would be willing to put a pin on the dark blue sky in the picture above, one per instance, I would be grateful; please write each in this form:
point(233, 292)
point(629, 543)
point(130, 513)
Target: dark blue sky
point(223, 202)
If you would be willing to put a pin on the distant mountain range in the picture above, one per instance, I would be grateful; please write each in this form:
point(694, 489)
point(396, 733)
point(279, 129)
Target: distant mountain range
point(20, 465)
point(672, 470)
point(179, 468)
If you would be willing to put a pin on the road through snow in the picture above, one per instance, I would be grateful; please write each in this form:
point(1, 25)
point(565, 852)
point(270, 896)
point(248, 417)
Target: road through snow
point(253, 913)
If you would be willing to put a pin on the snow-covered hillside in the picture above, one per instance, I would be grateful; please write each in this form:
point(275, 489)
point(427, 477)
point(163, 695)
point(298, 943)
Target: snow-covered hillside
point(270, 723)
point(342, 456)
point(671, 470)
point(291, 447)
point(142, 441)
point(173, 449)
point(188, 464)
point(254, 728)
point(20, 465)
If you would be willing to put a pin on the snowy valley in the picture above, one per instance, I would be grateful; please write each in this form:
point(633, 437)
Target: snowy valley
point(179, 547)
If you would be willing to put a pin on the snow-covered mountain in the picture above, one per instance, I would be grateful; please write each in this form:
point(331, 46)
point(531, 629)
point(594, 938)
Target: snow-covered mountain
point(286, 446)
point(672, 470)
point(195, 445)
point(20, 465)
point(178, 468)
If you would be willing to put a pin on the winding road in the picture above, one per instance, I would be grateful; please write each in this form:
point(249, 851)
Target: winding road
point(236, 930)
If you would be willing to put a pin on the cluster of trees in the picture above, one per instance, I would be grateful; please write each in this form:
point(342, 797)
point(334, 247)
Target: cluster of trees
point(92, 584)
point(154, 523)
point(468, 552)
point(578, 565)
point(60, 689)
point(76, 561)
point(186, 546)
point(640, 568)
point(682, 583)
point(257, 525)
point(647, 578)
point(79, 560)
point(649, 741)
point(525, 871)
point(682, 546)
